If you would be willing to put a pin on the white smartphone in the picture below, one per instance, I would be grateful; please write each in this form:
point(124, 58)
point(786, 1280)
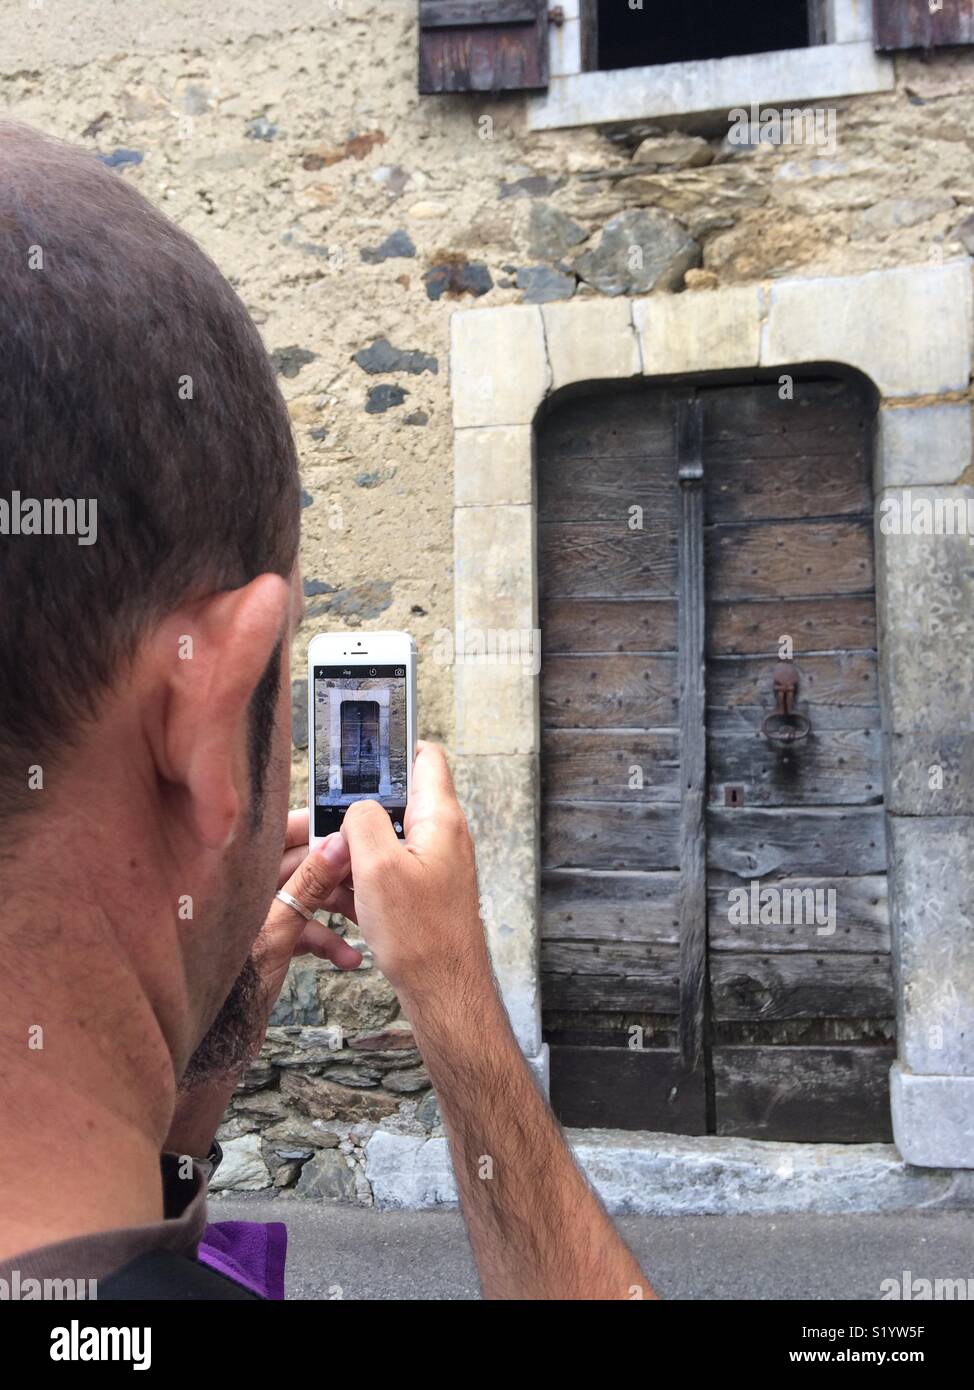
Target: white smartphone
point(361, 725)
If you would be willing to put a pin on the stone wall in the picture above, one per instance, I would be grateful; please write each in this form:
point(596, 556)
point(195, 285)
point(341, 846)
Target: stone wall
point(354, 217)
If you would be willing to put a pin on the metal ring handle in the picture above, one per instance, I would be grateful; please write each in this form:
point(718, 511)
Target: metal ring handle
point(798, 728)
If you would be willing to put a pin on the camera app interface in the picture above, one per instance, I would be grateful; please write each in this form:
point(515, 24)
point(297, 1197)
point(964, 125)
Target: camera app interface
point(360, 741)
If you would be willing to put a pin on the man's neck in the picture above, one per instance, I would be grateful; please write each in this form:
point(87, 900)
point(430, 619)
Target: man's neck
point(86, 1092)
point(92, 1175)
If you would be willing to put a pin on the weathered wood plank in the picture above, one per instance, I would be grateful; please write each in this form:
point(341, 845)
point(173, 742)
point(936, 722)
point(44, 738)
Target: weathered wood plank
point(744, 487)
point(598, 692)
point(626, 906)
point(841, 768)
point(861, 916)
point(785, 984)
point(650, 960)
point(753, 843)
point(790, 559)
point(822, 417)
point(599, 977)
point(783, 1032)
point(627, 1028)
point(570, 625)
point(609, 1088)
point(630, 424)
point(826, 1095)
point(610, 766)
point(604, 560)
point(605, 488)
point(842, 678)
point(609, 835)
point(756, 626)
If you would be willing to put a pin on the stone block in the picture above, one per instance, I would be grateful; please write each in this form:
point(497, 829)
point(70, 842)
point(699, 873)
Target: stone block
point(328, 1177)
point(931, 889)
point(665, 248)
point(925, 591)
point(699, 332)
point(933, 1118)
point(705, 85)
point(408, 1172)
point(498, 367)
point(929, 774)
point(677, 1175)
point(496, 709)
point(591, 340)
point(909, 330)
point(243, 1168)
point(494, 575)
point(500, 798)
point(925, 444)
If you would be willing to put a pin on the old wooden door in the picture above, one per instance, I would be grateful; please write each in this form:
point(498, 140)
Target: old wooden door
point(360, 746)
point(715, 949)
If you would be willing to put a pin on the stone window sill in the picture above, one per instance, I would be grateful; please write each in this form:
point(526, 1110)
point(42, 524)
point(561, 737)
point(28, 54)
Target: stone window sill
point(824, 72)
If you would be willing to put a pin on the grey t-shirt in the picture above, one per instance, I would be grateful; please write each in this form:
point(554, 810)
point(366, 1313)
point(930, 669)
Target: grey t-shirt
point(96, 1256)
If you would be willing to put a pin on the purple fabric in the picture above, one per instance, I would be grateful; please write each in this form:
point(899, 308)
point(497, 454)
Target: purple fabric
point(250, 1253)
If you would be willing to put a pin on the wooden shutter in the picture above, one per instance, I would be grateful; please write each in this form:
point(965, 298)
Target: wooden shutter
point(483, 45)
point(920, 24)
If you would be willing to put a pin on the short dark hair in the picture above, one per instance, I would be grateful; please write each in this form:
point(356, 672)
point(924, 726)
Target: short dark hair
point(131, 374)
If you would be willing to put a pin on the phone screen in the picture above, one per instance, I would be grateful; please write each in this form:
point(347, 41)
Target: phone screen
point(360, 741)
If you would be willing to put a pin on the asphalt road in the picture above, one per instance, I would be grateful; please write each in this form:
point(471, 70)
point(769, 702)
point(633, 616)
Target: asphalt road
point(345, 1252)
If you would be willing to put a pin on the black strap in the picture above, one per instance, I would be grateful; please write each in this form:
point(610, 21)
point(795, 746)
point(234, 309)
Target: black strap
point(159, 1274)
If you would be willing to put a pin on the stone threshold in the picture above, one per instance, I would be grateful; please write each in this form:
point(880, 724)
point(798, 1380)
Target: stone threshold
point(677, 1175)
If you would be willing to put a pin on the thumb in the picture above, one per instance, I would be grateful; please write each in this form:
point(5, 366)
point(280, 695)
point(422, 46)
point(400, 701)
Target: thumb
point(313, 882)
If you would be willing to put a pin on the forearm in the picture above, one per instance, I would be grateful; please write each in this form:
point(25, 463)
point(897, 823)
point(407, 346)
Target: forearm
point(537, 1229)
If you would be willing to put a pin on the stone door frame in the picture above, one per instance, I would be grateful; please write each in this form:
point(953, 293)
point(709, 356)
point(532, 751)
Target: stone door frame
point(910, 331)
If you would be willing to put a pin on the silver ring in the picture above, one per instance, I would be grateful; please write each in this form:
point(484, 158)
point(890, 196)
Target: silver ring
point(293, 902)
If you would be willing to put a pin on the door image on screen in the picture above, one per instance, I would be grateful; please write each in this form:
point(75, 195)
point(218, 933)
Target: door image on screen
point(361, 752)
point(360, 738)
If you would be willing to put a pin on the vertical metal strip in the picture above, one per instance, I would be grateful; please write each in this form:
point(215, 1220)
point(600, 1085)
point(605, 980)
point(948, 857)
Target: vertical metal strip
point(693, 736)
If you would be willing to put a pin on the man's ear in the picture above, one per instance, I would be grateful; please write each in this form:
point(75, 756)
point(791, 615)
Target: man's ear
point(206, 660)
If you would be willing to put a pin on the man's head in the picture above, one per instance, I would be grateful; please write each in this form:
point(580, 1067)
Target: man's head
point(148, 658)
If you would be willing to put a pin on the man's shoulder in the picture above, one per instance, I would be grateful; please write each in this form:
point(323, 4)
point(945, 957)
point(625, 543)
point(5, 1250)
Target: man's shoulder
point(163, 1274)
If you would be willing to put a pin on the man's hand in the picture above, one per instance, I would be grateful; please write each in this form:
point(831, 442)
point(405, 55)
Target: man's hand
point(416, 901)
point(318, 881)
